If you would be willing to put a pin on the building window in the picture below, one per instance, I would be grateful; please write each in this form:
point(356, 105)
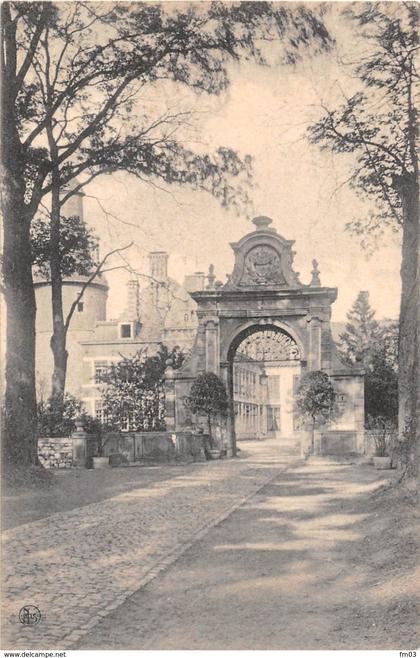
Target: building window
point(126, 422)
point(100, 369)
point(99, 412)
point(125, 330)
point(80, 307)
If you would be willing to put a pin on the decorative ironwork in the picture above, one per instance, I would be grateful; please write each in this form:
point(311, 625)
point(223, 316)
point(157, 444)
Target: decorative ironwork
point(268, 345)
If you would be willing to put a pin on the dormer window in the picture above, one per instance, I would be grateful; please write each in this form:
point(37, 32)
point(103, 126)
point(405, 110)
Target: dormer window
point(125, 331)
point(80, 307)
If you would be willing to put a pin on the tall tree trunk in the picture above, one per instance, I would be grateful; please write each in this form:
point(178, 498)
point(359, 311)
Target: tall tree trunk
point(59, 335)
point(209, 424)
point(408, 349)
point(20, 442)
point(313, 436)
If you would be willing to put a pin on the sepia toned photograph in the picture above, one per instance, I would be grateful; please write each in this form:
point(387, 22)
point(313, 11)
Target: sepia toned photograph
point(209, 336)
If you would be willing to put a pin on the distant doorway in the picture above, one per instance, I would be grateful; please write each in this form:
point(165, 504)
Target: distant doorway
point(273, 420)
point(265, 366)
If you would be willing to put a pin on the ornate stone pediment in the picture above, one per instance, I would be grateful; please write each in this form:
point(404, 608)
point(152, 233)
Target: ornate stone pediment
point(263, 258)
point(262, 266)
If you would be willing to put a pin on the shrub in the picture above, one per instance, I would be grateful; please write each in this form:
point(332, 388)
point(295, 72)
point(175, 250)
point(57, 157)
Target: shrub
point(56, 419)
point(208, 397)
point(383, 434)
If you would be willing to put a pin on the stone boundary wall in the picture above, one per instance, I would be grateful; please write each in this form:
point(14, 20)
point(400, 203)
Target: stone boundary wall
point(153, 446)
point(65, 452)
point(55, 452)
point(338, 442)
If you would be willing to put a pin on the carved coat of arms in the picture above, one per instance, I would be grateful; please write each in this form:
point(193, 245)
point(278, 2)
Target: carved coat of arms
point(262, 266)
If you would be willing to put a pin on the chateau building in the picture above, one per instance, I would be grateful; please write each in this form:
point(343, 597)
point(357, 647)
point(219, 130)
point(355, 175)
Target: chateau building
point(259, 331)
point(158, 310)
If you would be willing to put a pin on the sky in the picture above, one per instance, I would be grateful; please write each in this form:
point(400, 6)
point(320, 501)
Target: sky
point(265, 113)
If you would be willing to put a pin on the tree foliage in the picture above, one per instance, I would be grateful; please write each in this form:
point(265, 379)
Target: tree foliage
point(208, 397)
point(378, 125)
point(78, 246)
point(381, 374)
point(133, 394)
point(315, 399)
point(92, 64)
point(75, 78)
point(374, 345)
point(362, 331)
point(59, 421)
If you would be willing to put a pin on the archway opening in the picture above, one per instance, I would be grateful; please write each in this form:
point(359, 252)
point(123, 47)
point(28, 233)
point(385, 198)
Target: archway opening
point(265, 367)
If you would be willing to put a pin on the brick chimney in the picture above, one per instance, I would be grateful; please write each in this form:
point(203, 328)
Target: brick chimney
point(133, 300)
point(158, 261)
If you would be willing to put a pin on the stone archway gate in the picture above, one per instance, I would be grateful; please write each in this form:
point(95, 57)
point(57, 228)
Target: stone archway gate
point(264, 291)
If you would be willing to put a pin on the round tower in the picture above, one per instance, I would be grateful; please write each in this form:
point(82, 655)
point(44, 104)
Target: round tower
point(89, 310)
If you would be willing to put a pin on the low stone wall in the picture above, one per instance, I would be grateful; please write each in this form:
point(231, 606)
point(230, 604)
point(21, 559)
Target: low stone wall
point(153, 446)
point(55, 452)
point(338, 442)
point(136, 446)
point(132, 446)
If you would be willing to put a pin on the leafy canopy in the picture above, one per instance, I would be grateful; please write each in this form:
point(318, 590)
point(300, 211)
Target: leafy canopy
point(362, 331)
point(78, 246)
point(59, 419)
point(133, 395)
point(208, 395)
point(91, 70)
point(377, 123)
point(315, 397)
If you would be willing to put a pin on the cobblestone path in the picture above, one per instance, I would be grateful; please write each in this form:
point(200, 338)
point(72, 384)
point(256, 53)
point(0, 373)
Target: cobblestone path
point(80, 565)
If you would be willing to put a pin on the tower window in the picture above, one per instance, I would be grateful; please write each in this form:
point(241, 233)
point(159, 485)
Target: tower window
point(125, 331)
point(80, 307)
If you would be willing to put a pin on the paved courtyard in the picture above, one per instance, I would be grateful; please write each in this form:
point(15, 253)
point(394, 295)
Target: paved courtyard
point(322, 557)
point(77, 566)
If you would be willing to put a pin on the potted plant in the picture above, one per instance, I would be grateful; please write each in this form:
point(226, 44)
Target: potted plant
point(383, 434)
point(95, 429)
point(208, 397)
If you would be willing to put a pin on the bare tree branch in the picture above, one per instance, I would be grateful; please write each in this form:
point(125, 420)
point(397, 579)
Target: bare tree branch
point(91, 278)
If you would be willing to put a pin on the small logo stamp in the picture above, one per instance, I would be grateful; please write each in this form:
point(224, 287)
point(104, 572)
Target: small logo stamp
point(29, 615)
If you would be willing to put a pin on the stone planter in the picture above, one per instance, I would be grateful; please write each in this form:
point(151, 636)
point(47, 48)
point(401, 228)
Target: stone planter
point(100, 462)
point(382, 463)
